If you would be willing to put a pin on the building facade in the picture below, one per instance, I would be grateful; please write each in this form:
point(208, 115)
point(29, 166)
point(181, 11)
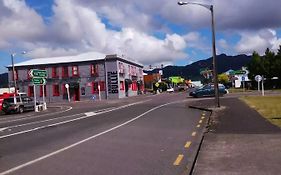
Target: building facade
point(89, 76)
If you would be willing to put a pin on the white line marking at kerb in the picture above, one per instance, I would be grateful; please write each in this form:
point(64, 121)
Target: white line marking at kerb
point(80, 142)
point(64, 122)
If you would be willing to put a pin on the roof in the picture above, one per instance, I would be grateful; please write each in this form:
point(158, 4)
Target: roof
point(90, 56)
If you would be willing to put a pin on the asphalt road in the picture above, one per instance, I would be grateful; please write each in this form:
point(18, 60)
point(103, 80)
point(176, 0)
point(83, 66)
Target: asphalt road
point(144, 135)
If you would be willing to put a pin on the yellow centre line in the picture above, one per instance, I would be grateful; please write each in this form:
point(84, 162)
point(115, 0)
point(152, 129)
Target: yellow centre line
point(178, 160)
point(187, 145)
point(193, 134)
point(198, 126)
point(200, 121)
point(202, 118)
point(203, 114)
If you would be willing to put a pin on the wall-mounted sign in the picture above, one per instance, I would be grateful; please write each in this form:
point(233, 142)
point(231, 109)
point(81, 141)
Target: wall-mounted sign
point(112, 80)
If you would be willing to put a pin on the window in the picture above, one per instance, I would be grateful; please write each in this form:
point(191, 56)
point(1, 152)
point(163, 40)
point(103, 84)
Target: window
point(134, 86)
point(64, 72)
point(56, 90)
point(55, 72)
point(63, 89)
point(83, 91)
point(41, 90)
point(95, 87)
point(102, 85)
point(122, 86)
point(30, 91)
point(16, 75)
point(75, 72)
point(28, 75)
point(94, 70)
point(121, 68)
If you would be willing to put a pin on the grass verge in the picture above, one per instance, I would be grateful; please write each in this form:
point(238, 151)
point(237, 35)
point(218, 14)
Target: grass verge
point(268, 106)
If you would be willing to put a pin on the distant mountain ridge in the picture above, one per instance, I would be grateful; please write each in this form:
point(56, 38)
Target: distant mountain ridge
point(192, 71)
point(4, 80)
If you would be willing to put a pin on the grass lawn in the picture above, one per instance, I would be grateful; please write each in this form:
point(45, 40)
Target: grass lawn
point(237, 90)
point(268, 106)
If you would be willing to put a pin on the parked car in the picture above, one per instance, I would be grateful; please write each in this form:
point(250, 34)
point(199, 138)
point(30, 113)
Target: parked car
point(208, 91)
point(23, 103)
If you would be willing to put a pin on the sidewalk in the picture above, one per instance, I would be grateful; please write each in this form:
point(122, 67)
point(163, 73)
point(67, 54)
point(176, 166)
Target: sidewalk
point(240, 141)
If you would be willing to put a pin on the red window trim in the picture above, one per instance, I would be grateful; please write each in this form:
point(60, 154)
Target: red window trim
point(102, 85)
point(28, 76)
point(16, 75)
point(63, 74)
point(41, 91)
point(30, 91)
point(122, 86)
point(56, 90)
point(94, 69)
point(75, 75)
point(55, 72)
point(95, 87)
point(63, 89)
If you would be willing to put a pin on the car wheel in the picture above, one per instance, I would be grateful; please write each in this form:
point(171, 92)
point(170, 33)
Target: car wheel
point(21, 109)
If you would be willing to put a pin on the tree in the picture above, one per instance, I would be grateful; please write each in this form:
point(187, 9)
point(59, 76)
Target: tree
point(223, 78)
point(255, 66)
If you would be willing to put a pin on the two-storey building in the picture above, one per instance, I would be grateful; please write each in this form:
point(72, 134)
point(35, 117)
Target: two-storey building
point(87, 74)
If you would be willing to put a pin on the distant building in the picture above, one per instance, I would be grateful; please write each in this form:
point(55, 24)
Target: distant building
point(237, 77)
point(116, 76)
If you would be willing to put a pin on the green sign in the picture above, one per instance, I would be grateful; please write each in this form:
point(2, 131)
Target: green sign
point(38, 73)
point(39, 81)
point(238, 72)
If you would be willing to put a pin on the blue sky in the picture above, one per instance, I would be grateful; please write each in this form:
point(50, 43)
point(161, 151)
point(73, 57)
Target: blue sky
point(152, 32)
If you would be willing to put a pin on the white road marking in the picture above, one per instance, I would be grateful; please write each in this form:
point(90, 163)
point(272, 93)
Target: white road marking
point(2, 129)
point(90, 113)
point(63, 122)
point(82, 141)
point(28, 116)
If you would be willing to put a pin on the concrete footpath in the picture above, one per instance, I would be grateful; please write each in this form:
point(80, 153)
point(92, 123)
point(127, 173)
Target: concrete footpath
point(239, 141)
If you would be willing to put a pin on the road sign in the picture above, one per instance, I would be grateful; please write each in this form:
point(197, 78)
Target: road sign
point(38, 73)
point(39, 81)
point(243, 78)
point(258, 78)
point(157, 84)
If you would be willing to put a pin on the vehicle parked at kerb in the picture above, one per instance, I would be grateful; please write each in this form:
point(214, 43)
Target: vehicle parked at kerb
point(208, 90)
point(23, 103)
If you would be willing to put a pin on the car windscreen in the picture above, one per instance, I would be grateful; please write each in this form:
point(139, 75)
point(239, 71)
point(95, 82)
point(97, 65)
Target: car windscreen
point(9, 100)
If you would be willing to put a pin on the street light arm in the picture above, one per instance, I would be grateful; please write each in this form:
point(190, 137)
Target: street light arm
point(209, 7)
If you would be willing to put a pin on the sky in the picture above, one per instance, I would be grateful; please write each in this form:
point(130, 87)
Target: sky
point(152, 32)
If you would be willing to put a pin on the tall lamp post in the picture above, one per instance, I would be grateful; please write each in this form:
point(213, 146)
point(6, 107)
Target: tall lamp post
point(215, 76)
point(13, 74)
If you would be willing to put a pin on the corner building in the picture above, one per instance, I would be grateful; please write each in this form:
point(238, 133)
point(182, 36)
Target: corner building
point(117, 77)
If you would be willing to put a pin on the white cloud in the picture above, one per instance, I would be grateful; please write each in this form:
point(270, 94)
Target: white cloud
point(258, 41)
point(75, 28)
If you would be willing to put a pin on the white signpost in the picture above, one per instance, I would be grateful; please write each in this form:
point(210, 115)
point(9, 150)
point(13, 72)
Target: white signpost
point(258, 79)
point(38, 78)
point(67, 89)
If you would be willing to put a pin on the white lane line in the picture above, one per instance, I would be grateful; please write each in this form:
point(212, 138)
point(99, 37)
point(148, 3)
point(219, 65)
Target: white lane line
point(2, 129)
point(90, 113)
point(80, 142)
point(64, 122)
point(28, 117)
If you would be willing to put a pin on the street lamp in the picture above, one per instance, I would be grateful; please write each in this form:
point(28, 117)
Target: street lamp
point(215, 76)
point(13, 74)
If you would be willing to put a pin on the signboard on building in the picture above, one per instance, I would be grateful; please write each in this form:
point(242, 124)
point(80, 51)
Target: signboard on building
point(39, 81)
point(38, 73)
point(112, 80)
